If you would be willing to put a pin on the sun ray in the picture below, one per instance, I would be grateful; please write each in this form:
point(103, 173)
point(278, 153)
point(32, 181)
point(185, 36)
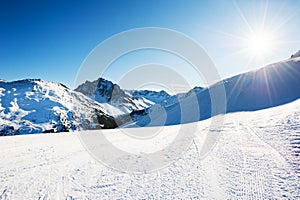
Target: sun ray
point(266, 78)
point(259, 41)
point(242, 16)
point(265, 14)
point(231, 35)
point(285, 20)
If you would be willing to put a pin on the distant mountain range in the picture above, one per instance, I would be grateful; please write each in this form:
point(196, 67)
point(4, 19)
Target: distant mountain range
point(36, 106)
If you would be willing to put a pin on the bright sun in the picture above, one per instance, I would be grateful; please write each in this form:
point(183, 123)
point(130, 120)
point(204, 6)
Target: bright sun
point(259, 43)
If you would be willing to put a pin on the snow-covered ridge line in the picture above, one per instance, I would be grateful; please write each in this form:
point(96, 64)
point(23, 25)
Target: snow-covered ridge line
point(270, 86)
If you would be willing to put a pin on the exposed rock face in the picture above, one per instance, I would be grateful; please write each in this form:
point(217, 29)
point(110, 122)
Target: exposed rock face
point(296, 54)
point(124, 101)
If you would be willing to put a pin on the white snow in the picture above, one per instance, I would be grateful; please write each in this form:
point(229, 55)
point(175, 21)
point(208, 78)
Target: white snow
point(114, 110)
point(257, 157)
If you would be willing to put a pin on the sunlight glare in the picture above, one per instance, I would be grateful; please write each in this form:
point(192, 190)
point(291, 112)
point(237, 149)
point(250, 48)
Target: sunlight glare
point(259, 43)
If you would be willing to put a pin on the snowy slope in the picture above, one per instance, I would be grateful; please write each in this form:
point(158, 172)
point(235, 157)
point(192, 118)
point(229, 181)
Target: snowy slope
point(256, 157)
point(118, 101)
point(267, 87)
point(35, 106)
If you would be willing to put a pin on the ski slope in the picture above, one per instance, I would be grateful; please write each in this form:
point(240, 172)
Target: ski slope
point(256, 157)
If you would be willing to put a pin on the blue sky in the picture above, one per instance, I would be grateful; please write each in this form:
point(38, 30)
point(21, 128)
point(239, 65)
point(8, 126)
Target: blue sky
point(50, 39)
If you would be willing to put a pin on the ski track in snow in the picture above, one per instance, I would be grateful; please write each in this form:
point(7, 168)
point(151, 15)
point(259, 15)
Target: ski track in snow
point(256, 157)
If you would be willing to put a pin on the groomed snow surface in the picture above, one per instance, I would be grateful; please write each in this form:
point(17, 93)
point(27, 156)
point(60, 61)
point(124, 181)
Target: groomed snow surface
point(257, 157)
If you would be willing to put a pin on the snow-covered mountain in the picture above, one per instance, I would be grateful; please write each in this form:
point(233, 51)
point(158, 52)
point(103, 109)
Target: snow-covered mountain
point(117, 101)
point(35, 106)
point(270, 86)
